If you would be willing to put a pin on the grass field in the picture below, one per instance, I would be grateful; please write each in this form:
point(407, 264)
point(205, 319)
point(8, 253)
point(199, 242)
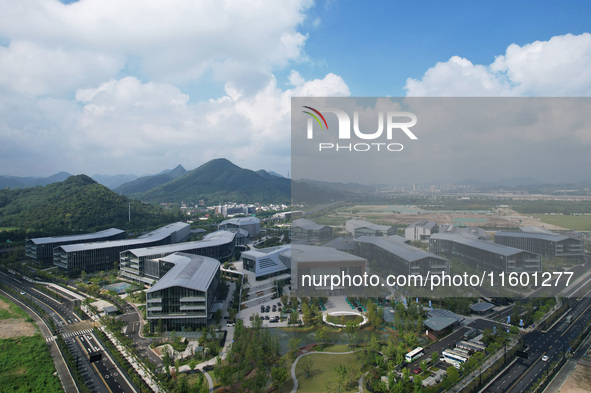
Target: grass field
point(323, 371)
point(577, 223)
point(9, 310)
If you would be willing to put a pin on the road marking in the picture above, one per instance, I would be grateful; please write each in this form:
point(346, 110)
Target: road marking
point(525, 372)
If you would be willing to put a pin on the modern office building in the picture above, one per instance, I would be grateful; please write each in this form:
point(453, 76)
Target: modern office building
point(544, 242)
point(41, 249)
point(366, 228)
point(484, 255)
point(185, 296)
point(251, 224)
point(392, 255)
point(309, 264)
point(267, 262)
point(134, 264)
point(93, 257)
point(420, 230)
point(307, 231)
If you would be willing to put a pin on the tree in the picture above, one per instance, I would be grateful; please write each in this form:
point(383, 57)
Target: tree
point(294, 344)
point(293, 317)
point(279, 376)
point(434, 357)
point(306, 363)
point(218, 316)
point(321, 336)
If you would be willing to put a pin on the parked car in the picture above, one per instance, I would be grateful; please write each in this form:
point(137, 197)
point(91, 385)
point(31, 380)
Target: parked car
point(359, 309)
point(267, 318)
point(417, 370)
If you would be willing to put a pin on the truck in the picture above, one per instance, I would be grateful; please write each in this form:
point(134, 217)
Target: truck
point(569, 319)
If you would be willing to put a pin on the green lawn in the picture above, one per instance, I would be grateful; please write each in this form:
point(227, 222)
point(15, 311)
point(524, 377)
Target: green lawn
point(323, 371)
point(26, 366)
point(577, 223)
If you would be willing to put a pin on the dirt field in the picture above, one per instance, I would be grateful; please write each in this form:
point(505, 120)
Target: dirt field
point(15, 327)
point(506, 218)
point(579, 381)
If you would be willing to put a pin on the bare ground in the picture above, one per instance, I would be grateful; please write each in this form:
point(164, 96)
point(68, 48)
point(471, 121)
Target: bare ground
point(15, 327)
point(579, 381)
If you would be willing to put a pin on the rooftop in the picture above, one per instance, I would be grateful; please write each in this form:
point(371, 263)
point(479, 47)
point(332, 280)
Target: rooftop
point(213, 239)
point(241, 221)
point(82, 237)
point(531, 235)
point(315, 254)
point(307, 224)
point(155, 235)
point(398, 248)
point(423, 223)
point(472, 241)
point(189, 271)
point(366, 224)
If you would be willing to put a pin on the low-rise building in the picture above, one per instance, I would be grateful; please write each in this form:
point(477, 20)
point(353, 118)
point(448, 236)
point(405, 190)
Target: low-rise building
point(94, 257)
point(40, 249)
point(185, 296)
point(251, 224)
point(307, 231)
point(543, 242)
point(484, 255)
point(365, 228)
point(420, 230)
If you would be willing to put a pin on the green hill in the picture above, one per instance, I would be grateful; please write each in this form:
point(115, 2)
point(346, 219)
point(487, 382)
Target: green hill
point(220, 181)
point(147, 183)
point(78, 204)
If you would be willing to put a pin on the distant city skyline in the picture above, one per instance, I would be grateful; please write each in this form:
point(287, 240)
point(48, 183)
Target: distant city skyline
point(109, 87)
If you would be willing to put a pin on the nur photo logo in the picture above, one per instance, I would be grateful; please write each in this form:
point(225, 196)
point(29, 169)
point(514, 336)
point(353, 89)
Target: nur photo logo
point(391, 122)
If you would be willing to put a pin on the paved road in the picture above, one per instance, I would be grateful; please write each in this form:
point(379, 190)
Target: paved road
point(69, 325)
point(524, 372)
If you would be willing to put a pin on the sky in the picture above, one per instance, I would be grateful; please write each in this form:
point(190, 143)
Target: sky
point(139, 86)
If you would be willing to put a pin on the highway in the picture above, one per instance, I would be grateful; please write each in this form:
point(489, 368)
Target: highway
point(524, 372)
point(100, 376)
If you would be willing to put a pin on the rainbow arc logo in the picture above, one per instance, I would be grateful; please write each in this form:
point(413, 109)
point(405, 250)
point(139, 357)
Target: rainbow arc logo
point(315, 117)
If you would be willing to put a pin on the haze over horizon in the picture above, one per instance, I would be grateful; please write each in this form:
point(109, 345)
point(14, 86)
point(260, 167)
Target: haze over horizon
point(110, 87)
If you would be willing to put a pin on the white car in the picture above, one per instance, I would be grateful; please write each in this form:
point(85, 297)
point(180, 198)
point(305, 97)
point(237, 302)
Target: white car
point(545, 358)
point(230, 324)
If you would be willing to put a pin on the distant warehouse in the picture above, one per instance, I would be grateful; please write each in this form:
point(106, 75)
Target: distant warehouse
point(366, 228)
point(140, 264)
point(93, 257)
point(481, 254)
point(544, 242)
point(392, 254)
point(41, 249)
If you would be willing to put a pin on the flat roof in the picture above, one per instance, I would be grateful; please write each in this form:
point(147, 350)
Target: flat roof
point(316, 254)
point(189, 271)
point(438, 324)
point(307, 224)
point(341, 243)
point(82, 237)
point(213, 239)
point(472, 241)
point(398, 248)
point(155, 235)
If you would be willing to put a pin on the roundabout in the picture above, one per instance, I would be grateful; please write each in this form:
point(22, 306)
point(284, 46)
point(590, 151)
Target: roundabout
point(346, 313)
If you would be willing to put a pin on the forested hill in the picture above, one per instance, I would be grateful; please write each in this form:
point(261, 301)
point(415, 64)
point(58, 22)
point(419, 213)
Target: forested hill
point(76, 205)
point(219, 181)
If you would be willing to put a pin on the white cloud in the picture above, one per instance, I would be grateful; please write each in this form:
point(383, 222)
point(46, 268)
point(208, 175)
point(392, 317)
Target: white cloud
point(558, 67)
point(170, 41)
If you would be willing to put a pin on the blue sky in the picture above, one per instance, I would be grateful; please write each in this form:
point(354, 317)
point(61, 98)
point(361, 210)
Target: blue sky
point(137, 86)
